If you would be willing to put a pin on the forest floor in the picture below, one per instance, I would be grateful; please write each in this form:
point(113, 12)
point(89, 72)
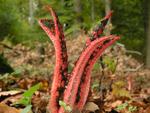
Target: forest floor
point(121, 85)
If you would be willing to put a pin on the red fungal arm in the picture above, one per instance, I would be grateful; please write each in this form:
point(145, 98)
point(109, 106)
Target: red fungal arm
point(79, 82)
point(55, 32)
point(98, 29)
point(70, 93)
point(85, 83)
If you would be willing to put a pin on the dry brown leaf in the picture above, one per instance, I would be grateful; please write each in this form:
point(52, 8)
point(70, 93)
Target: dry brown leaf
point(12, 99)
point(9, 93)
point(6, 109)
point(116, 103)
point(91, 106)
point(39, 102)
point(147, 110)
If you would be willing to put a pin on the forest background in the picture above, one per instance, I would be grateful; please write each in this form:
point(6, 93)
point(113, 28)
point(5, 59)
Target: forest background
point(19, 21)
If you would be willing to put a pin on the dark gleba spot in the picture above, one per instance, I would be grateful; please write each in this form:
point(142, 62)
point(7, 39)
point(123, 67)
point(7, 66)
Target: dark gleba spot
point(60, 89)
point(48, 24)
point(63, 47)
point(78, 95)
point(100, 47)
point(106, 41)
point(64, 78)
point(92, 56)
point(104, 22)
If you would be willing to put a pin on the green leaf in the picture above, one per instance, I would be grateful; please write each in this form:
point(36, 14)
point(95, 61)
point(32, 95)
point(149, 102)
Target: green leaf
point(132, 108)
point(26, 99)
point(17, 71)
point(110, 63)
point(27, 109)
point(122, 106)
point(95, 85)
point(65, 106)
point(96, 66)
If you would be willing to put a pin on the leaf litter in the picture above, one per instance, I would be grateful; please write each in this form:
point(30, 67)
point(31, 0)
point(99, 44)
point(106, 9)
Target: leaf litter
point(120, 83)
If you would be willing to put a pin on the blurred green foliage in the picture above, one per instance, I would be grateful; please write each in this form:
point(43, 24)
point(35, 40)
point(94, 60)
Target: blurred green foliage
point(127, 106)
point(128, 19)
point(14, 24)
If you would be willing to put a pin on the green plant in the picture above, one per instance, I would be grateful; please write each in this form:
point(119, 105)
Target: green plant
point(110, 63)
point(132, 108)
point(65, 106)
point(95, 85)
point(118, 89)
point(27, 95)
point(26, 98)
point(122, 106)
point(126, 106)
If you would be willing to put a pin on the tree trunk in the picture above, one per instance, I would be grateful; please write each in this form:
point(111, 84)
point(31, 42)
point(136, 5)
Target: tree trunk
point(107, 10)
point(148, 33)
point(78, 10)
point(92, 10)
point(62, 2)
point(31, 13)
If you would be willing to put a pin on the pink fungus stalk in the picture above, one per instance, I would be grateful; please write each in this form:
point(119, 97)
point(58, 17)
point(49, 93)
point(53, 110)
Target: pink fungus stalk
point(73, 90)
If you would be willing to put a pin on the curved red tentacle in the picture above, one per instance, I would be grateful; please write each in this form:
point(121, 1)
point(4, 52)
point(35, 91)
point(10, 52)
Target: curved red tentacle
point(48, 26)
point(80, 76)
point(85, 83)
point(60, 77)
point(72, 88)
point(98, 29)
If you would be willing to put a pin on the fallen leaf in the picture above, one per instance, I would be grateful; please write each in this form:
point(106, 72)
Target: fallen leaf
point(91, 106)
point(9, 93)
point(147, 110)
point(6, 109)
point(116, 103)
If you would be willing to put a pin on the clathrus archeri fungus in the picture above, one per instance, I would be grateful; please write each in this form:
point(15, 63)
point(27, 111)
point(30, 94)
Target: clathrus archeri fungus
point(73, 88)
